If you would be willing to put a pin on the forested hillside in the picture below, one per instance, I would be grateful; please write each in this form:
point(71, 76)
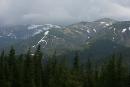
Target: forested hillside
point(34, 70)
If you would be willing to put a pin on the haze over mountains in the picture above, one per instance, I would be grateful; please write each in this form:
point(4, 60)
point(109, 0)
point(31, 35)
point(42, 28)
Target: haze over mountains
point(97, 35)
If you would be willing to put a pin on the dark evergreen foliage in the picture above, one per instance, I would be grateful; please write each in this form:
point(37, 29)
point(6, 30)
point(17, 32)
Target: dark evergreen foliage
point(27, 70)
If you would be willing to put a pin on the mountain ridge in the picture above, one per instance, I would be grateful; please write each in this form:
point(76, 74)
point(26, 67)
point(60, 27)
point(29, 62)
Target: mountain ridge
point(71, 37)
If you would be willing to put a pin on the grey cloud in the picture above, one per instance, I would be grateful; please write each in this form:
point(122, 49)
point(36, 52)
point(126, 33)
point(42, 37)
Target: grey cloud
point(61, 11)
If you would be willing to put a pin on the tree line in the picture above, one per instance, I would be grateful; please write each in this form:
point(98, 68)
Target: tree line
point(27, 70)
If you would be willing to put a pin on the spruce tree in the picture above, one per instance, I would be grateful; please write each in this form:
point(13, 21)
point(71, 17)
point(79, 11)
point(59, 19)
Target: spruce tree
point(53, 82)
point(120, 72)
point(12, 68)
point(76, 64)
point(110, 73)
point(2, 70)
point(28, 78)
point(75, 79)
point(38, 69)
point(88, 81)
point(20, 66)
point(46, 72)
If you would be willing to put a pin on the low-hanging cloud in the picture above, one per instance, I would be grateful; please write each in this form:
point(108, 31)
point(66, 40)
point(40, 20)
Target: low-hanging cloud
point(61, 11)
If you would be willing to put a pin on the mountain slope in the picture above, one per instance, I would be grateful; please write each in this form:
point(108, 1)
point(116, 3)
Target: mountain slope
point(62, 38)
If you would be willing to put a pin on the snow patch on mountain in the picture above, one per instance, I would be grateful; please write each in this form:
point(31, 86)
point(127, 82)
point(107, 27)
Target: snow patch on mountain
point(113, 38)
point(88, 31)
point(38, 32)
point(77, 31)
point(33, 27)
point(115, 31)
point(37, 29)
point(10, 34)
point(50, 26)
point(46, 33)
point(124, 30)
point(107, 24)
point(102, 22)
point(45, 26)
point(94, 30)
point(129, 28)
point(43, 39)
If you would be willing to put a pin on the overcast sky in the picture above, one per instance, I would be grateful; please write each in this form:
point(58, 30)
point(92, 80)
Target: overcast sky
point(61, 11)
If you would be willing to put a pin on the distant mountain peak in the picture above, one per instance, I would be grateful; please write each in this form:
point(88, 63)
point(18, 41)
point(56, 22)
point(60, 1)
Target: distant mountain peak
point(108, 20)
